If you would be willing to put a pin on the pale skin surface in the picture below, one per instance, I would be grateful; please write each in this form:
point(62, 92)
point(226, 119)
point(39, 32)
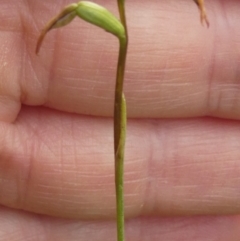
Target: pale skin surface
point(56, 149)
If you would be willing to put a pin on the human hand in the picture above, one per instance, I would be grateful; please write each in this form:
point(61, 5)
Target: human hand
point(183, 138)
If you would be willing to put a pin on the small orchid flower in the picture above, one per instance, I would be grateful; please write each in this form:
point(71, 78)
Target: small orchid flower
point(88, 11)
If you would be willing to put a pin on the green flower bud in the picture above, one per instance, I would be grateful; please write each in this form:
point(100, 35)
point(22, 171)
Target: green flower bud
point(89, 12)
point(101, 17)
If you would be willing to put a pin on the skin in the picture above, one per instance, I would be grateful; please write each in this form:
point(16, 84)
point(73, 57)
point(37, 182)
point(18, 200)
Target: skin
point(56, 141)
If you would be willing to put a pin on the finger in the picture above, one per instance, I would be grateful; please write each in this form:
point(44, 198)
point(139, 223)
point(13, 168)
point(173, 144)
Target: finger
point(23, 226)
point(175, 67)
point(62, 165)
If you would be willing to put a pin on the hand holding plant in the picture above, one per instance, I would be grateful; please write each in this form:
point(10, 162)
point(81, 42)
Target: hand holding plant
point(44, 137)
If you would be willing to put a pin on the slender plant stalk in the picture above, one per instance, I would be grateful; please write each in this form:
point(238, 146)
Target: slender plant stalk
point(120, 119)
point(122, 13)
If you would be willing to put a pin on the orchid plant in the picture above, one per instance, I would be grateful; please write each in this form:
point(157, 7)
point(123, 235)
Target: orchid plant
point(101, 17)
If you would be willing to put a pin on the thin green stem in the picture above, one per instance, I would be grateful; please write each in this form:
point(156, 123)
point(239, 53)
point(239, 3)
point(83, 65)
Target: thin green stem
point(119, 93)
point(122, 13)
point(119, 170)
point(120, 119)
